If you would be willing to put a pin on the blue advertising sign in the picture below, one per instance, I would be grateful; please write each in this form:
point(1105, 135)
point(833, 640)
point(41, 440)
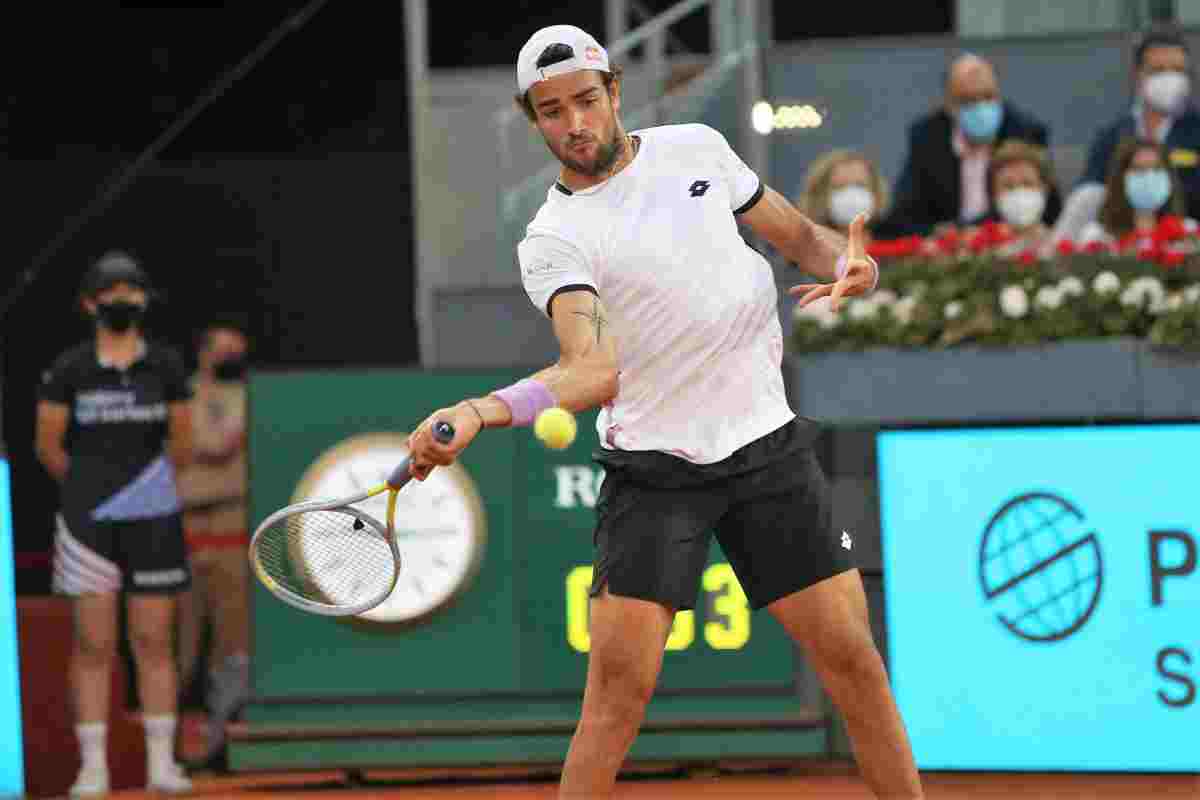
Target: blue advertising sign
point(12, 779)
point(1043, 595)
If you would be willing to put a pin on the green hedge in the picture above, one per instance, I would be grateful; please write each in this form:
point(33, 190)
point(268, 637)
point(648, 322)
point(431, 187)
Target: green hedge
point(926, 303)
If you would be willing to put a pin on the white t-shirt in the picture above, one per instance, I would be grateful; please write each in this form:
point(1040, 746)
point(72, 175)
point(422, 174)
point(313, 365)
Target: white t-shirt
point(691, 306)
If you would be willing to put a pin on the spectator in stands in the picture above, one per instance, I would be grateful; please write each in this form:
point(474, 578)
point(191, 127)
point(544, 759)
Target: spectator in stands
point(113, 426)
point(943, 182)
point(1160, 113)
point(214, 496)
point(839, 186)
point(1020, 181)
point(1140, 189)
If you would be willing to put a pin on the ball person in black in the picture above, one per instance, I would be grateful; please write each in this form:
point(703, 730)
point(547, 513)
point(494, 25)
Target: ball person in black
point(113, 425)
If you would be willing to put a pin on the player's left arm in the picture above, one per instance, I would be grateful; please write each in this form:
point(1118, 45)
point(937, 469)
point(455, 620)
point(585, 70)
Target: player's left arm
point(841, 262)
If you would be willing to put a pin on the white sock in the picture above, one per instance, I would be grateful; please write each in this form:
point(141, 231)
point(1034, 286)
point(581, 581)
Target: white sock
point(160, 742)
point(93, 747)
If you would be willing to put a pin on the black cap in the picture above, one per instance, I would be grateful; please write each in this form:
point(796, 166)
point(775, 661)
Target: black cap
point(112, 268)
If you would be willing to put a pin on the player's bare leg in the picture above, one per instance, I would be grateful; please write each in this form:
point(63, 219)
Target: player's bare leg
point(628, 637)
point(829, 620)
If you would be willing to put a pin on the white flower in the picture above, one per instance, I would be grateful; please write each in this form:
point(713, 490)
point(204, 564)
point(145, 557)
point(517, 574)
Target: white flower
point(883, 297)
point(1175, 301)
point(817, 311)
point(1106, 283)
point(862, 309)
point(1049, 297)
point(1192, 293)
point(1145, 292)
point(1014, 302)
point(1070, 286)
point(904, 307)
point(953, 309)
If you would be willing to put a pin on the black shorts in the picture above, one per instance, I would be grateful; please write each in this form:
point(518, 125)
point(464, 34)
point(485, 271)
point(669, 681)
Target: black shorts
point(145, 556)
point(769, 505)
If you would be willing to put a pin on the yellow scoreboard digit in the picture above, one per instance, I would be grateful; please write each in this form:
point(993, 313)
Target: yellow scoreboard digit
point(729, 629)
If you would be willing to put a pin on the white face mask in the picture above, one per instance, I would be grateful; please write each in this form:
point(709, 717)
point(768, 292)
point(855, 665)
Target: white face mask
point(848, 202)
point(1021, 207)
point(1166, 92)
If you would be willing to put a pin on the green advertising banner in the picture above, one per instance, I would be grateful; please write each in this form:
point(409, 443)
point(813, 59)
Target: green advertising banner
point(489, 619)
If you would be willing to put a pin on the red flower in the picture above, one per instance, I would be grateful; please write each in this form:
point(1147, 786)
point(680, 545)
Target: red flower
point(894, 248)
point(1066, 247)
point(1096, 247)
point(1130, 241)
point(1028, 258)
point(1171, 258)
point(1169, 228)
point(1149, 252)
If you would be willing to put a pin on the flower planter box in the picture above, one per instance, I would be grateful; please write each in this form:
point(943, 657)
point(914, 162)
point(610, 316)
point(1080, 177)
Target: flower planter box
point(1170, 383)
point(1085, 379)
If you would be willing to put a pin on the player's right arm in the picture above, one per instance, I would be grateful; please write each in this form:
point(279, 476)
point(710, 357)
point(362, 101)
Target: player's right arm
point(583, 377)
point(52, 419)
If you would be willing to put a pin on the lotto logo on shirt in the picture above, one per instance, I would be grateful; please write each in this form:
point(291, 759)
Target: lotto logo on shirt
point(107, 405)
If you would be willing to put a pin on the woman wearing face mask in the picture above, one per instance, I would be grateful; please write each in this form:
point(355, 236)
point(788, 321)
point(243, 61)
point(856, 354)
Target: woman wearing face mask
point(113, 425)
point(1019, 181)
point(1141, 189)
point(214, 496)
point(839, 186)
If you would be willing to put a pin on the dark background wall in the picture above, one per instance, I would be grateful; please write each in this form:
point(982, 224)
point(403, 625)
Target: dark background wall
point(288, 200)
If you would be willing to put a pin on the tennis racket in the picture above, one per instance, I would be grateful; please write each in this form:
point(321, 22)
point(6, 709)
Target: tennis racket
point(328, 557)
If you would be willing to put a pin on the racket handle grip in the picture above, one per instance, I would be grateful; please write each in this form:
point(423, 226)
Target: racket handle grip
point(443, 432)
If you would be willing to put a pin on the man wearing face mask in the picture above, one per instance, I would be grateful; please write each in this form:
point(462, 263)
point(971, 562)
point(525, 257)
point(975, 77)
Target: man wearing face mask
point(214, 492)
point(943, 183)
point(113, 426)
point(1160, 113)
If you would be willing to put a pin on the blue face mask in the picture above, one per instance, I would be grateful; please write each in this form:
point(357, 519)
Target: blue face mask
point(1147, 189)
point(980, 121)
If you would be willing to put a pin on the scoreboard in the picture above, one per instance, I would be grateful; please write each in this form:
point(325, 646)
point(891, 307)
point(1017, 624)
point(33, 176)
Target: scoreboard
point(481, 654)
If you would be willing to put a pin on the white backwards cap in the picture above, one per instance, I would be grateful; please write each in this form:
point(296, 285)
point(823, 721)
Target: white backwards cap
point(561, 49)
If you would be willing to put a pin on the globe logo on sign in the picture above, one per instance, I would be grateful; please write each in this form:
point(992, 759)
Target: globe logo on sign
point(1040, 567)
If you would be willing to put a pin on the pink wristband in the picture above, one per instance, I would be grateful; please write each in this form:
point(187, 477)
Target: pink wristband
point(525, 400)
point(843, 263)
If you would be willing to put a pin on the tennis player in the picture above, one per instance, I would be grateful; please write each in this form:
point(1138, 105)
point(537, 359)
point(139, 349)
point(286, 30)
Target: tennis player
point(667, 320)
point(112, 426)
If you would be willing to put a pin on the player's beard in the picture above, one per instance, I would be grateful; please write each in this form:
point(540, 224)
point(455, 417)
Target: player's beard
point(606, 155)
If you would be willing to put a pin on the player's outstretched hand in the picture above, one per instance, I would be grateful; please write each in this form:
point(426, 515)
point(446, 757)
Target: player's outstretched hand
point(427, 452)
point(859, 278)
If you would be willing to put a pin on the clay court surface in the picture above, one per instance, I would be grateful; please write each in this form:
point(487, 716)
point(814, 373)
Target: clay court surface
point(817, 782)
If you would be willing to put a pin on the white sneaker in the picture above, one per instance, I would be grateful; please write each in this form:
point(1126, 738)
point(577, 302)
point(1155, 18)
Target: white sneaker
point(91, 782)
point(172, 780)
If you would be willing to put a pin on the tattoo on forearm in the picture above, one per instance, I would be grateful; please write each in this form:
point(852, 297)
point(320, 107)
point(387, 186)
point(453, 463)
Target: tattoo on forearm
point(596, 316)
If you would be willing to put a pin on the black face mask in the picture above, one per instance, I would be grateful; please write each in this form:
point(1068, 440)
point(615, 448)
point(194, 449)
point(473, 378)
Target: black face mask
point(231, 369)
point(119, 316)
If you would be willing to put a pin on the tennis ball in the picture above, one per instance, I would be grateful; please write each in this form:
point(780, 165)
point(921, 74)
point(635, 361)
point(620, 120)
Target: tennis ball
point(555, 427)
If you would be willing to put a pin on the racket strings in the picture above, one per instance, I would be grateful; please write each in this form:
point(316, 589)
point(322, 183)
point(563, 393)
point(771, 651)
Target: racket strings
point(329, 557)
